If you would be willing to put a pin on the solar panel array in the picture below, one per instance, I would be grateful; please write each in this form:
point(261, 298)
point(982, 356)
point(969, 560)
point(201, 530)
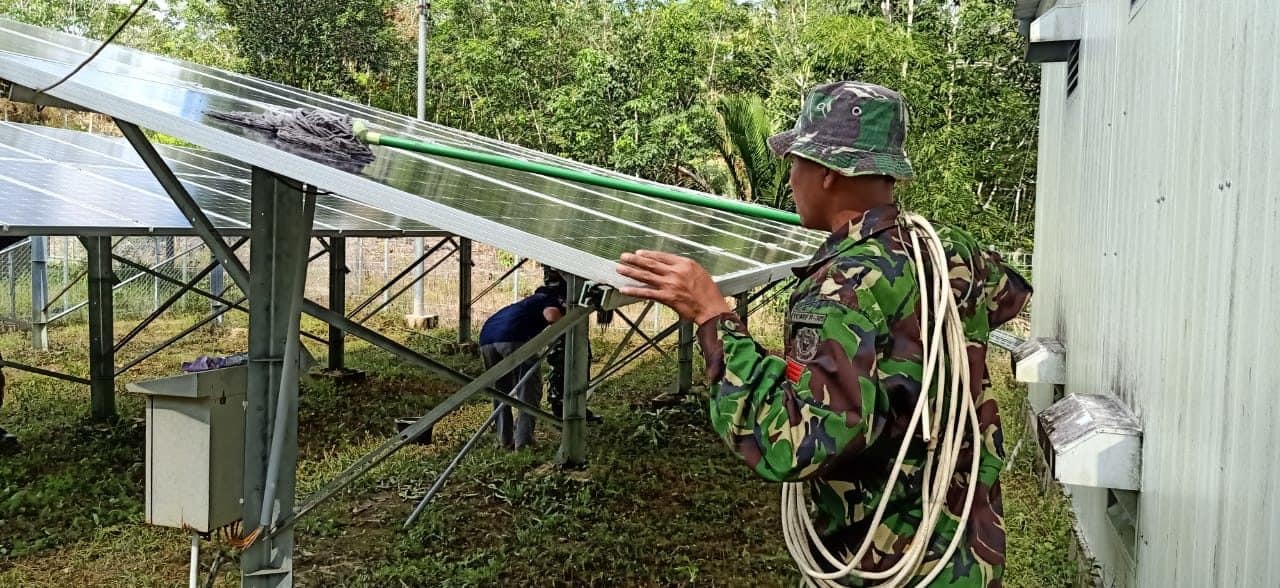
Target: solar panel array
point(61, 182)
point(572, 226)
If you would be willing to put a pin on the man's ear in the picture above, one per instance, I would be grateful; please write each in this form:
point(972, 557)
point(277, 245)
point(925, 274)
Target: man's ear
point(829, 178)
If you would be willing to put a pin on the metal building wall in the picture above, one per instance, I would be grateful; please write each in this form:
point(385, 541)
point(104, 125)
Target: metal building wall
point(1158, 265)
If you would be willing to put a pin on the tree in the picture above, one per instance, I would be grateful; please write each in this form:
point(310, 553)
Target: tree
point(341, 47)
point(757, 174)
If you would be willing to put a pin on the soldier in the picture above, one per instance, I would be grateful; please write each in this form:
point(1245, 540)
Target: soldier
point(832, 411)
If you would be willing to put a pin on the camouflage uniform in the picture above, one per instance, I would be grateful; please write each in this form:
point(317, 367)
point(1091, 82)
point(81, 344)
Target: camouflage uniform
point(833, 411)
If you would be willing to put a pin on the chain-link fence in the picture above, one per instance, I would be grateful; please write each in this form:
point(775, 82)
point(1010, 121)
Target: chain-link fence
point(371, 264)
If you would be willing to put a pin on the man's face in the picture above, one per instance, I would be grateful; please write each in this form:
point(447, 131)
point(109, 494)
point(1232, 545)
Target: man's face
point(809, 188)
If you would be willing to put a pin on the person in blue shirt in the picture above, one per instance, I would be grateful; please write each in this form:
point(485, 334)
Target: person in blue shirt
point(501, 335)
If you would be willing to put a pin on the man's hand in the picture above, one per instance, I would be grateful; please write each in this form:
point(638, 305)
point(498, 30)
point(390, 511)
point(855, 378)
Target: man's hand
point(677, 282)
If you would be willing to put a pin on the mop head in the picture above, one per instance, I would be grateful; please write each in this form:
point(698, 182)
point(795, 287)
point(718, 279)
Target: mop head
point(318, 135)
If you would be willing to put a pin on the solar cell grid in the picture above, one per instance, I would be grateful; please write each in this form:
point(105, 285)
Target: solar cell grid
point(557, 222)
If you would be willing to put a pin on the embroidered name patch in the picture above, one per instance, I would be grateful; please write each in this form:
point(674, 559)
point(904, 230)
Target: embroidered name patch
point(810, 318)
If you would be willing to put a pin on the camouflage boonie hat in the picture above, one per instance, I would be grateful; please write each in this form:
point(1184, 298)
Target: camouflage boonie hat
point(854, 128)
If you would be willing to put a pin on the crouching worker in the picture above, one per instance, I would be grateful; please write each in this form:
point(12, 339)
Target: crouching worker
point(501, 335)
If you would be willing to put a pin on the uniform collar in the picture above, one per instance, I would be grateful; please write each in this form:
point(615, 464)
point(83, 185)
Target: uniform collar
point(860, 229)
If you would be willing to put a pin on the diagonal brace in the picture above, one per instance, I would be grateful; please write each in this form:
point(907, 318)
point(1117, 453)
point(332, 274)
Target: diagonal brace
point(405, 288)
point(478, 385)
point(406, 271)
point(185, 286)
point(504, 276)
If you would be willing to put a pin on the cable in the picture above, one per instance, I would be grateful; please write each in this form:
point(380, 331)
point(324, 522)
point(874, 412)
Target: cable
point(946, 364)
point(93, 55)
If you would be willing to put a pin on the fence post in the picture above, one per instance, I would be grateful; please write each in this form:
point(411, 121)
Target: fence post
point(155, 280)
point(13, 288)
point(515, 283)
point(39, 294)
point(386, 265)
point(66, 263)
point(217, 279)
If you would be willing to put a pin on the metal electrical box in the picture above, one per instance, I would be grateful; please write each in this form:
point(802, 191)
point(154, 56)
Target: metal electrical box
point(195, 448)
point(1040, 361)
point(1092, 440)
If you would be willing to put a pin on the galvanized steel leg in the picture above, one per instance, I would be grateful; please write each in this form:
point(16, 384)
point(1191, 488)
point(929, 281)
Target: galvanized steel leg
point(337, 299)
point(281, 236)
point(464, 290)
point(684, 380)
point(102, 362)
point(577, 375)
point(39, 294)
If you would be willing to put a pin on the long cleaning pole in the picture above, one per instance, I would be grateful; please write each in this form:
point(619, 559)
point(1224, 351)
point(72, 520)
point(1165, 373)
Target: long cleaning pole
point(361, 130)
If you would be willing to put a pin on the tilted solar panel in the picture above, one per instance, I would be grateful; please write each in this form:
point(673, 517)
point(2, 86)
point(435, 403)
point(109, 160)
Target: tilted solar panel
point(56, 181)
point(580, 228)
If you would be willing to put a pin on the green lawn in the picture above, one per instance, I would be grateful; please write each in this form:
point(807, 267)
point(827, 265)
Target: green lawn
point(663, 502)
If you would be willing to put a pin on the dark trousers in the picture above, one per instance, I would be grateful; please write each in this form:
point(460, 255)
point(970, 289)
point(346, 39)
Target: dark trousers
point(529, 390)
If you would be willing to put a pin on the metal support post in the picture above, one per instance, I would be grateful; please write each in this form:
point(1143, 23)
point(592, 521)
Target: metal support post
point(102, 362)
point(39, 294)
point(464, 290)
point(577, 375)
point(282, 218)
point(743, 307)
point(684, 353)
point(338, 299)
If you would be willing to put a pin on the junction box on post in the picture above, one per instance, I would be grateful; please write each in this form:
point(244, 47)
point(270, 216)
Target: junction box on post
point(195, 448)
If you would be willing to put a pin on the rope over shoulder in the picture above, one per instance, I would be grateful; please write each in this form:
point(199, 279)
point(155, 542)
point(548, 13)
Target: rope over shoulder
point(943, 340)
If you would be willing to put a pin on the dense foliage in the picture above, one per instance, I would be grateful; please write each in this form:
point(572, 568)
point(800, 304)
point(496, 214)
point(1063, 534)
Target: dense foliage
point(678, 91)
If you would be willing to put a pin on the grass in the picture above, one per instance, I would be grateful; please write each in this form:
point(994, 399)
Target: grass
point(662, 502)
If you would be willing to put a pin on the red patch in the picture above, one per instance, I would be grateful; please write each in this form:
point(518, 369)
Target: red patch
point(794, 370)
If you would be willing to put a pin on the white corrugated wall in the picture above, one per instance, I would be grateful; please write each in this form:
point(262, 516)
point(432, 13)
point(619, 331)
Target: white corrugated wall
point(1157, 263)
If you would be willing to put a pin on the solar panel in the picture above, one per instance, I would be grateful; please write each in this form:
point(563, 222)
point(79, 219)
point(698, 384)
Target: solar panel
point(56, 181)
point(580, 228)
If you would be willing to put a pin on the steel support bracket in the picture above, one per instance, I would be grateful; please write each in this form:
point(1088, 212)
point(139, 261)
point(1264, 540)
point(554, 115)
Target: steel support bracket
point(19, 93)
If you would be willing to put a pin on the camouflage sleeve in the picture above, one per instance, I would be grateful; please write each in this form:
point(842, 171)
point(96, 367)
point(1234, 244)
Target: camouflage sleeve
point(787, 416)
point(1007, 291)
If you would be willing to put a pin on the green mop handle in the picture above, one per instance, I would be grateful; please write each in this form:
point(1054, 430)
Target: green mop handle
point(753, 210)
